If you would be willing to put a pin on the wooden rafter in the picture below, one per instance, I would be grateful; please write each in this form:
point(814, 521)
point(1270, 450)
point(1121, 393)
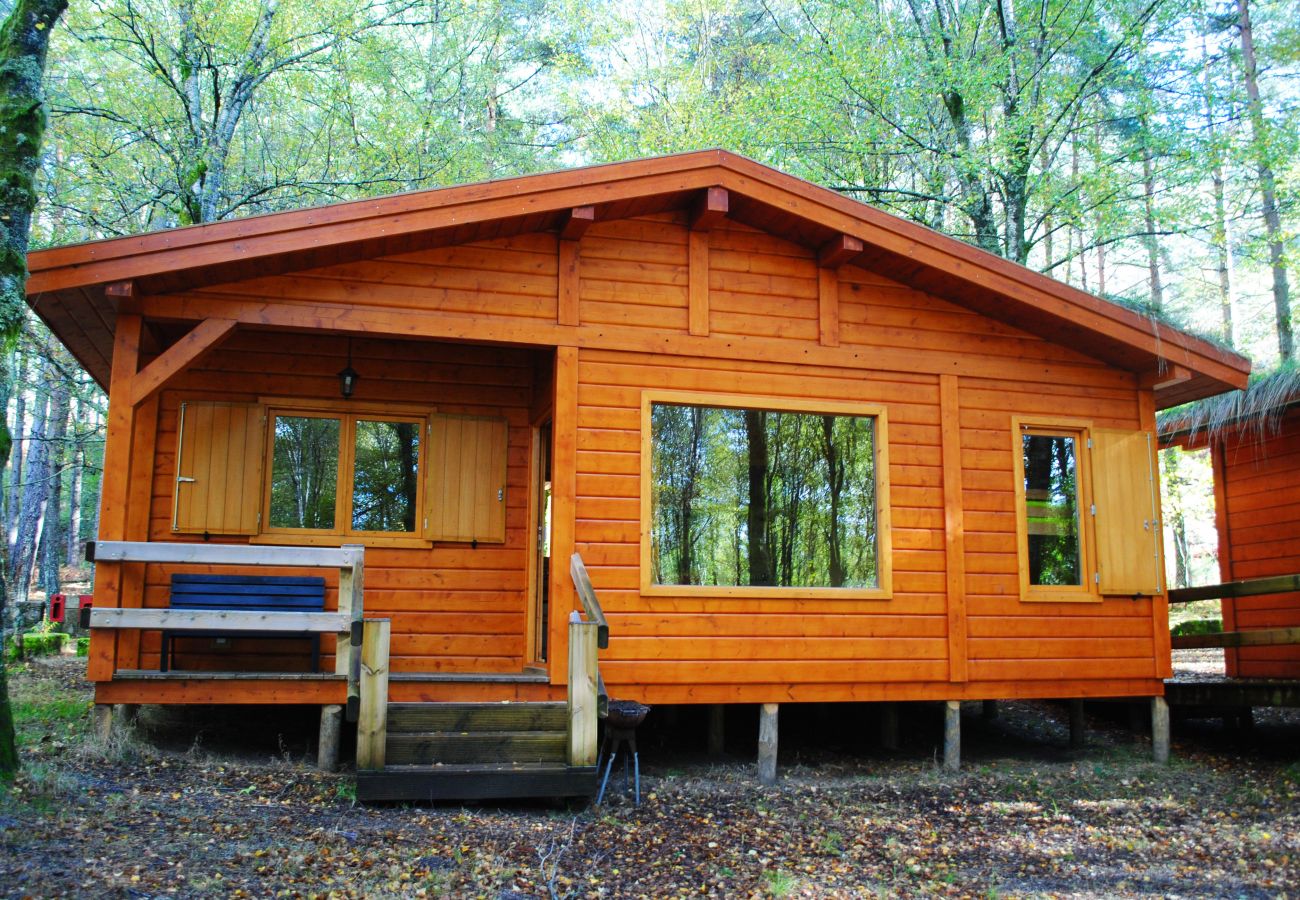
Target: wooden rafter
point(710, 209)
point(179, 356)
point(576, 222)
point(838, 251)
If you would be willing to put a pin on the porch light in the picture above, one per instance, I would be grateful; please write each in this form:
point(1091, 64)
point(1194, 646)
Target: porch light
point(348, 376)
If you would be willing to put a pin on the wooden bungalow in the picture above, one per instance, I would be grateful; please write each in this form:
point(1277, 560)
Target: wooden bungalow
point(1254, 441)
point(806, 451)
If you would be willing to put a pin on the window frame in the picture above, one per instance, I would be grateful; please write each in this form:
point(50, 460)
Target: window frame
point(1080, 429)
point(884, 535)
point(346, 479)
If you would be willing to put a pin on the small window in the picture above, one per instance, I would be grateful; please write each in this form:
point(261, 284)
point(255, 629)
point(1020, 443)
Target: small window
point(745, 498)
point(1055, 549)
point(372, 488)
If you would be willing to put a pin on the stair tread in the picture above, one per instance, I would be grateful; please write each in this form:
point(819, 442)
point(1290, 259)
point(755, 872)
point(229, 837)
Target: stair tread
point(481, 704)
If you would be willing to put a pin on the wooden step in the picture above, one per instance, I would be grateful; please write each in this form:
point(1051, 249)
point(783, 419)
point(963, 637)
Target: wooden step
point(425, 717)
point(475, 782)
point(503, 747)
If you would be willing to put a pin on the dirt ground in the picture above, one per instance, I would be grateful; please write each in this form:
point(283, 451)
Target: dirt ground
point(232, 808)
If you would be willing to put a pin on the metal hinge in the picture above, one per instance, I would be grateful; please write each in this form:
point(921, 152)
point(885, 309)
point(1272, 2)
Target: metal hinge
point(1092, 508)
point(1096, 578)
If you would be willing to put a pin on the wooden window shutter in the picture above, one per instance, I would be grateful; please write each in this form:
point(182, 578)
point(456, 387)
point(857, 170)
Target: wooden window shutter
point(466, 481)
point(1125, 482)
point(220, 455)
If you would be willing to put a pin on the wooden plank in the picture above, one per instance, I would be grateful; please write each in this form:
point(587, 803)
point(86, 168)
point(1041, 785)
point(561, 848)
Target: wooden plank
point(582, 699)
point(1253, 587)
point(1254, 638)
point(698, 299)
point(954, 527)
point(131, 591)
point(1126, 523)
point(206, 691)
point(218, 620)
point(372, 721)
point(828, 307)
point(564, 435)
point(183, 354)
point(224, 554)
point(567, 283)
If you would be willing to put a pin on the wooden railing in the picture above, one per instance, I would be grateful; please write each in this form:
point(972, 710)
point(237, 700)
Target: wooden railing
point(1253, 587)
point(588, 700)
point(346, 622)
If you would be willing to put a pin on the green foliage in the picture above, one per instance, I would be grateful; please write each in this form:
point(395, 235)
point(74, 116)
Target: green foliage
point(1197, 626)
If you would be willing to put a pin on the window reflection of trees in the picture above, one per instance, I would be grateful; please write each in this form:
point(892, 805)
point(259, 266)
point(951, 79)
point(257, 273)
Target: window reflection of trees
point(1052, 508)
point(304, 472)
point(385, 476)
point(764, 498)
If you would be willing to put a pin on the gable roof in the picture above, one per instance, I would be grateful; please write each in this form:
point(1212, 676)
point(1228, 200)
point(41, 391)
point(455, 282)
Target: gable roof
point(69, 286)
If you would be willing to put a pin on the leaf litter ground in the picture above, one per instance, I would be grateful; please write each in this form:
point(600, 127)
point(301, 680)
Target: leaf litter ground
point(225, 816)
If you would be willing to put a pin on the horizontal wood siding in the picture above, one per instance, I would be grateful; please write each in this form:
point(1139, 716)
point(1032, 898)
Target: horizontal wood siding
point(453, 608)
point(1261, 492)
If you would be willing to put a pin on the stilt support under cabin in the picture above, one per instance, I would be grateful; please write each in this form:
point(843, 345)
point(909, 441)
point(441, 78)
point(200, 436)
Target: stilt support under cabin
point(717, 729)
point(1159, 730)
point(889, 726)
point(952, 735)
point(767, 740)
point(1078, 726)
point(331, 728)
point(103, 722)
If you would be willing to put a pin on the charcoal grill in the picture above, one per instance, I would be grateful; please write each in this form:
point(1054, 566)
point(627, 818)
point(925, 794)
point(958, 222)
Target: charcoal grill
point(620, 730)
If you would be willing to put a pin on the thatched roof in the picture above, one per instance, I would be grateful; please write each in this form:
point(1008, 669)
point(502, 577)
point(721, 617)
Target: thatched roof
point(1258, 409)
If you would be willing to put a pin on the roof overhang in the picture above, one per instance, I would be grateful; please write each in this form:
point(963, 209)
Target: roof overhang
point(76, 289)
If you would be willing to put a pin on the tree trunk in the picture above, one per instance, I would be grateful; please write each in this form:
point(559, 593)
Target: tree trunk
point(76, 461)
point(35, 494)
point(24, 40)
point(51, 531)
point(13, 496)
point(1153, 246)
point(1221, 233)
point(1267, 186)
point(835, 474)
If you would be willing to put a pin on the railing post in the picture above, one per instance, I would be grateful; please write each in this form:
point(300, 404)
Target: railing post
point(372, 719)
point(347, 659)
point(582, 691)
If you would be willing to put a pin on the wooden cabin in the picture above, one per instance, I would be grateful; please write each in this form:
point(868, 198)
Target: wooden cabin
point(806, 451)
point(1254, 441)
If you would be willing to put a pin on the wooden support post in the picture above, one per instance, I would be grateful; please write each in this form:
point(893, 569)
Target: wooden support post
point(567, 284)
point(1159, 730)
point(125, 714)
point(989, 710)
point(103, 722)
point(717, 729)
point(889, 726)
point(372, 718)
point(952, 735)
point(347, 662)
point(1078, 725)
point(954, 528)
point(582, 691)
point(767, 741)
point(327, 749)
point(698, 277)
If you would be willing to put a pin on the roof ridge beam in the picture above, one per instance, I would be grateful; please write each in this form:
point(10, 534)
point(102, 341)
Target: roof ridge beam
point(839, 250)
point(576, 222)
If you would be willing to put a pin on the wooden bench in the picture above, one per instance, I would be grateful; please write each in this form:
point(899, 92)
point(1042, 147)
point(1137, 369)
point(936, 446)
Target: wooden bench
point(244, 594)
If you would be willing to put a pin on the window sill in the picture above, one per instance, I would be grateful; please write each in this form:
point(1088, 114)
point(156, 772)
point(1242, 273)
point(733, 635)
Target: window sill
point(1060, 597)
point(748, 592)
point(404, 542)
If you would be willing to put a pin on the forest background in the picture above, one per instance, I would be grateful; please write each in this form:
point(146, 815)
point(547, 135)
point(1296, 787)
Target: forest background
point(1143, 150)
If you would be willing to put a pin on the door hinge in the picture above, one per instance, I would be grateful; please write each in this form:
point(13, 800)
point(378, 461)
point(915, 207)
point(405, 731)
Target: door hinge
point(1096, 578)
point(1092, 508)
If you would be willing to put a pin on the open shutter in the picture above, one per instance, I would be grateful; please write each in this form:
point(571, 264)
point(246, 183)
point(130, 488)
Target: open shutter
point(1127, 527)
point(219, 468)
point(466, 481)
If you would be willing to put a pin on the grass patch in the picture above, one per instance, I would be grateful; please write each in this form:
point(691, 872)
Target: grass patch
point(60, 710)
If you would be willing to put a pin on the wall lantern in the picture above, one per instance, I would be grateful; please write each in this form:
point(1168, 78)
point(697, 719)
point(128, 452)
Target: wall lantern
point(348, 376)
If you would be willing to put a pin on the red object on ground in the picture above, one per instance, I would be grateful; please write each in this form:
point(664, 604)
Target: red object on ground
point(58, 605)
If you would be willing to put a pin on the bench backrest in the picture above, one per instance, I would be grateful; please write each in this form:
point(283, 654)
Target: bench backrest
point(251, 592)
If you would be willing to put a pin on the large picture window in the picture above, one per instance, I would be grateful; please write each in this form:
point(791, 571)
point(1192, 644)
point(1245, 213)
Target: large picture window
point(752, 496)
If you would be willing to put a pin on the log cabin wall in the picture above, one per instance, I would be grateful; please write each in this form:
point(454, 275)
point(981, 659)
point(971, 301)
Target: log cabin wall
point(453, 607)
point(1257, 493)
point(742, 312)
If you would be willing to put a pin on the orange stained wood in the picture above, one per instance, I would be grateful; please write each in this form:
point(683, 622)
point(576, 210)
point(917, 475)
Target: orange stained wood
point(1259, 532)
point(66, 280)
point(464, 331)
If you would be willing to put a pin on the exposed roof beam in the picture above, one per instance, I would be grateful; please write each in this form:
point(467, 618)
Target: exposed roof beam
point(710, 209)
point(1164, 377)
point(838, 250)
point(576, 222)
point(178, 357)
point(121, 289)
